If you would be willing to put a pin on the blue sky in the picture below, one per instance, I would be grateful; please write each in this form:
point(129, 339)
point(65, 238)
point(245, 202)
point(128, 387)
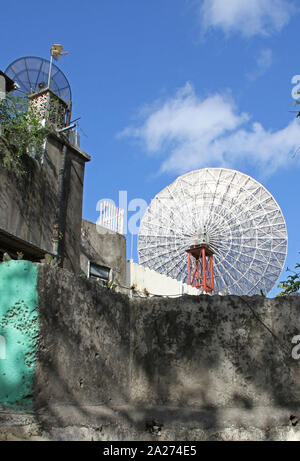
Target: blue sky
point(143, 73)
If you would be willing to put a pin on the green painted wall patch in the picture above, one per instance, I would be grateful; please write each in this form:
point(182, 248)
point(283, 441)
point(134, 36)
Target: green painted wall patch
point(19, 330)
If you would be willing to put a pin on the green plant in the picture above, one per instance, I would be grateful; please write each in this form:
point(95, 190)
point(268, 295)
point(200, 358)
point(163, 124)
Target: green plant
point(292, 284)
point(53, 261)
point(110, 285)
point(21, 133)
point(48, 258)
point(6, 257)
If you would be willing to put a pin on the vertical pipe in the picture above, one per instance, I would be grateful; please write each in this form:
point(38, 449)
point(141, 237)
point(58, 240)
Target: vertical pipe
point(211, 273)
point(189, 269)
point(204, 269)
point(194, 273)
point(50, 70)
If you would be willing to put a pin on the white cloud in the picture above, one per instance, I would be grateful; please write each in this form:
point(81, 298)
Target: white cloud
point(263, 63)
point(189, 133)
point(248, 17)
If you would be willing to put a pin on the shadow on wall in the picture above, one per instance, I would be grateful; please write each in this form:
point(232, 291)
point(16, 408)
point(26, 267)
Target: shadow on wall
point(84, 344)
point(23, 200)
point(187, 358)
point(216, 350)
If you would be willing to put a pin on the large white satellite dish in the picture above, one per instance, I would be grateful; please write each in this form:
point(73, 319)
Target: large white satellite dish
point(229, 213)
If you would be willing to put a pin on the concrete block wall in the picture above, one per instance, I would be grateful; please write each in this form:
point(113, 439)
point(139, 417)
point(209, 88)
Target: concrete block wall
point(202, 364)
point(105, 248)
point(217, 351)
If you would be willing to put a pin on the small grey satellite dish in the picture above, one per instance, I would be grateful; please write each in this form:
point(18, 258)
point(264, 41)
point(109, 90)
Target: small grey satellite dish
point(31, 73)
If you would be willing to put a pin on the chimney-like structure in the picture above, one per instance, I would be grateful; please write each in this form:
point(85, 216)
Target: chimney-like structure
point(51, 109)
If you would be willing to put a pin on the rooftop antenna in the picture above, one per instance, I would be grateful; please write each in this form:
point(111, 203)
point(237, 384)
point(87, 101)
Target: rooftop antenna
point(56, 52)
point(31, 73)
point(52, 103)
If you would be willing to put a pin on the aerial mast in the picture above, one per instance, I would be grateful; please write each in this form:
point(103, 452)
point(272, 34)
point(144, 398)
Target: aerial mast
point(56, 52)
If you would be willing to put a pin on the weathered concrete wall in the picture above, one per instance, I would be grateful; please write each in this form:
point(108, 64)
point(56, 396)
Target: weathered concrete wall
point(146, 280)
point(105, 248)
point(19, 330)
point(210, 351)
point(208, 368)
point(84, 341)
point(29, 203)
point(73, 210)
point(215, 351)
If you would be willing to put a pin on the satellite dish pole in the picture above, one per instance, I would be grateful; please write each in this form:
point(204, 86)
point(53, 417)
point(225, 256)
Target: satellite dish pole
point(56, 52)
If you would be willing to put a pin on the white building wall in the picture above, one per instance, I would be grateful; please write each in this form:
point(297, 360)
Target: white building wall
point(145, 281)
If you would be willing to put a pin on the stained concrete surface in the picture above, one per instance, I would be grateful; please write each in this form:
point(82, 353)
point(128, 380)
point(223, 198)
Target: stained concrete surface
point(30, 202)
point(103, 247)
point(125, 423)
point(206, 368)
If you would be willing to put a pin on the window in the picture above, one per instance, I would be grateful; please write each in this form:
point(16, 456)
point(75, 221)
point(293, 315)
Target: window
point(102, 273)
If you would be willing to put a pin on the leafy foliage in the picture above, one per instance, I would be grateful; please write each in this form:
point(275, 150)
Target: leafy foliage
point(110, 285)
point(53, 261)
point(292, 284)
point(21, 133)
